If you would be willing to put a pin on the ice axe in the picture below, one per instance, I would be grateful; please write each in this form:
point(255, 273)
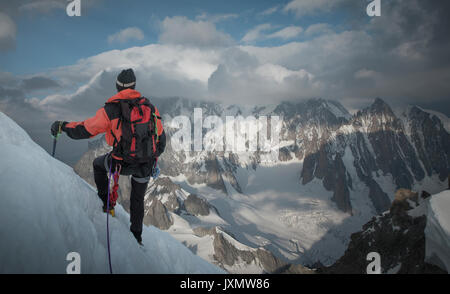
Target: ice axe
point(55, 138)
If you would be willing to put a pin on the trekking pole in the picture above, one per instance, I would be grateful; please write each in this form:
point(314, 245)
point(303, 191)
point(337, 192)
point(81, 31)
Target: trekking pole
point(55, 138)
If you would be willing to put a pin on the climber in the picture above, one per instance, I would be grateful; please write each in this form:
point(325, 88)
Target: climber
point(134, 129)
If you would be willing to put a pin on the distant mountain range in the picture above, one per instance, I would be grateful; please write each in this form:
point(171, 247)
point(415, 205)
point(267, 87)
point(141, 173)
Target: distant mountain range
point(335, 171)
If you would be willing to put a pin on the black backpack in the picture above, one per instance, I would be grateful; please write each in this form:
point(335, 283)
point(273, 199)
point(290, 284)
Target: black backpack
point(138, 122)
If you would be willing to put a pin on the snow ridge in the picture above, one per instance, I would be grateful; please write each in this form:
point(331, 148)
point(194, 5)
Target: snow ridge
point(48, 211)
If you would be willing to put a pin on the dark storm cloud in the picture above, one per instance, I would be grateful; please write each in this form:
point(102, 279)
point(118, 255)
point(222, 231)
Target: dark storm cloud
point(13, 103)
point(37, 123)
point(425, 24)
point(11, 93)
point(406, 57)
point(39, 83)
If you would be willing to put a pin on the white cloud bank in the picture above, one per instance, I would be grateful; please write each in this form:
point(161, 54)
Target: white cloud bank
point(126, 35)
point(228, 74)
point(182, 31)
point(261, 32)
point(331, 65)
point(286, 33)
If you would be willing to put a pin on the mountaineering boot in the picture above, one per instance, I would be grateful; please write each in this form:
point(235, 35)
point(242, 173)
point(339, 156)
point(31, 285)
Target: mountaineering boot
point(138, 237)
point(111, 210)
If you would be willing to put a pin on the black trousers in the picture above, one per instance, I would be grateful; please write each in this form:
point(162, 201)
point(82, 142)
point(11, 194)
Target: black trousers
point(139, 181)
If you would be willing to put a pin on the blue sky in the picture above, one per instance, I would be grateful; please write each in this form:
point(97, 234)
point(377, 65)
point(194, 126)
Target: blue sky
point(52, 39)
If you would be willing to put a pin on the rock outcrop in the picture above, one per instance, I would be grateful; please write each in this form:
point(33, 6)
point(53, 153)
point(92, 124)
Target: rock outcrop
point(397, 235)
point(227, 254)
point(156, 214)
point(196, 206)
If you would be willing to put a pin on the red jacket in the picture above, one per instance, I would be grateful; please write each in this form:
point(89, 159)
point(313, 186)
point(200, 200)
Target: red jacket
point(105, 121)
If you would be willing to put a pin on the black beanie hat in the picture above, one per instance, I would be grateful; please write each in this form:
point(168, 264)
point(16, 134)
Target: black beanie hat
point(126, 79)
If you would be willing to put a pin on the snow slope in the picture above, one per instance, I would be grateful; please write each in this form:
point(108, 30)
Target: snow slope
point(48, 211)
point(437, 231)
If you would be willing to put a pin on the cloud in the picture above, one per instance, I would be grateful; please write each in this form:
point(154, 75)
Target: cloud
point(9, 80)
point(126, 35)
point(256, 33)
point(318, 29)
point(161, 70)
point(365, 74)
point(194, 61)
point(35, 121)
point(261, 32)
point(16, 88)
point(182, 31)
point(7, 32)
point(215, 18)
point(242, 79)
point(13, 8)
point(43, 6)
point(270, 11)
point(308, 7)
point(286, 33)
point(225, 74)
point(334, 65)
point(39, 83)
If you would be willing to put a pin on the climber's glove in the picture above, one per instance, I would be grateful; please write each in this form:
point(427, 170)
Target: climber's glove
point(57, 128)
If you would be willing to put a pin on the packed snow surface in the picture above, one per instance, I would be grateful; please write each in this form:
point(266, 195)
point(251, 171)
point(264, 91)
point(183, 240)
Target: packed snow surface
point(47, 211)
point(437, 231)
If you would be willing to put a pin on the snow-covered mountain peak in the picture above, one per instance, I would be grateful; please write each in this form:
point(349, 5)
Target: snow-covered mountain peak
point(332, 168)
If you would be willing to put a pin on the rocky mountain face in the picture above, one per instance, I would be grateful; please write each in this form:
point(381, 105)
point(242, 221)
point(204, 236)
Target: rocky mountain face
point(429, 138)
point(379, 143)
point(397, 235)
point(319, 133)
point(227, 254)
point(166, 201)
point(164, 196)
point(361, 157)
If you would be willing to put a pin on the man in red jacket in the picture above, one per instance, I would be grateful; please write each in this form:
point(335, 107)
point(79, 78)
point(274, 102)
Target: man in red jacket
point(111, 120)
